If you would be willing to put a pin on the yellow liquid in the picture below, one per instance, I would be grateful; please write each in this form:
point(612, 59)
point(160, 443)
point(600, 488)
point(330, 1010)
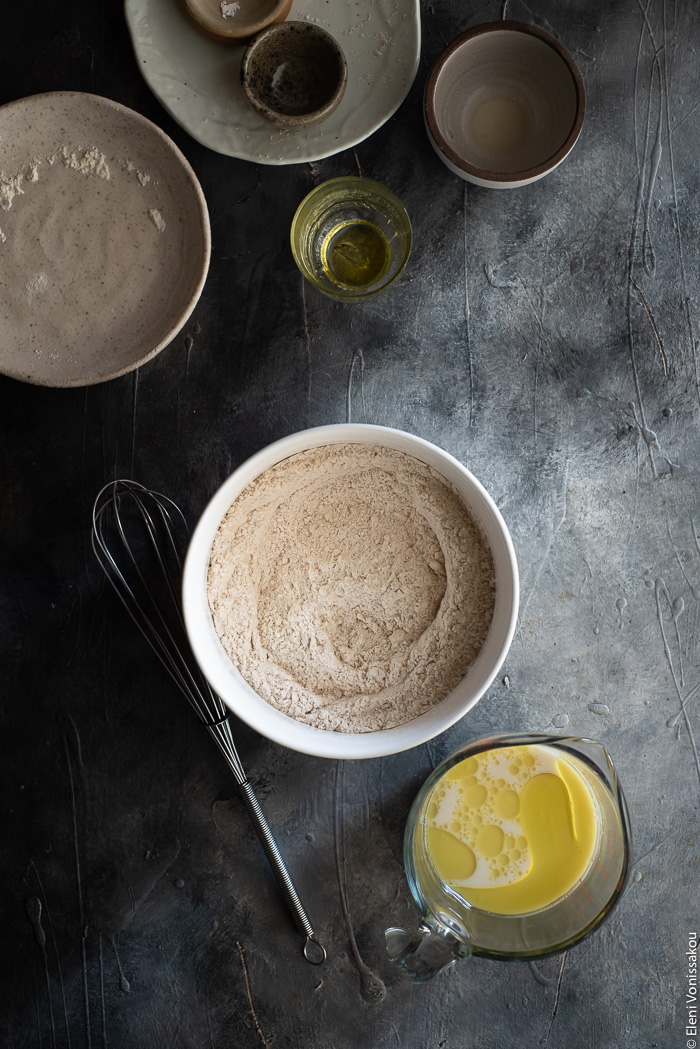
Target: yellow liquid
point(513, 829)
point(355, 254)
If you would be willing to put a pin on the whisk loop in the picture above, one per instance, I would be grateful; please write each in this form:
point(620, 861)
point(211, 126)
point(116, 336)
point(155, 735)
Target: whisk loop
point(138, 537)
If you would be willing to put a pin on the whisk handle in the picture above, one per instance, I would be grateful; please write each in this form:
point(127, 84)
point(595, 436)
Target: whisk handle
point(314, 951)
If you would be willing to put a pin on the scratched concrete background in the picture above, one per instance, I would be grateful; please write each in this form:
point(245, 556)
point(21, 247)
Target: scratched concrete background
point(548, 338)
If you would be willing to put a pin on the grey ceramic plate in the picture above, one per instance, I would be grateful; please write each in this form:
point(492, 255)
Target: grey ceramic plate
point(198, 82)
point(104, 242)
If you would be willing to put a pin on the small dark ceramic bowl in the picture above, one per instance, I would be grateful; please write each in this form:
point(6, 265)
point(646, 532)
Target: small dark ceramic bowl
point(294, 74)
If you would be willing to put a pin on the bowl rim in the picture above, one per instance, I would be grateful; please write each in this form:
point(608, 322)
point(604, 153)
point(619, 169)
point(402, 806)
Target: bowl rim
point(486, 174)
point(273, 724)
point(294, 120)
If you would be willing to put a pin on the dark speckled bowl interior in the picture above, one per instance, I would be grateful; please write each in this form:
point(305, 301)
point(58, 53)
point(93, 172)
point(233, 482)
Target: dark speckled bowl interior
point(294, 74)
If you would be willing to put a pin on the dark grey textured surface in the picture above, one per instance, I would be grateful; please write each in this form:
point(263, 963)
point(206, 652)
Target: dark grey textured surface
point(521, 339)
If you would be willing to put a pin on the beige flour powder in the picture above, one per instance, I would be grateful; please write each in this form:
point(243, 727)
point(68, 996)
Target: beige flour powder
point(351, 587)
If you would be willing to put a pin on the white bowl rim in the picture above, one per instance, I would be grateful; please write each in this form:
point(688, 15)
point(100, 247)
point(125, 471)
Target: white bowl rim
point(484, 175)
point(246, 704)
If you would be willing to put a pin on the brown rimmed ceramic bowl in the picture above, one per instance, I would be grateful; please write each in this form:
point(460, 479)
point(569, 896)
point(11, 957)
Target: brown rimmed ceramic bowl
point(236, 20)
point(294, 74)
point(504, 104)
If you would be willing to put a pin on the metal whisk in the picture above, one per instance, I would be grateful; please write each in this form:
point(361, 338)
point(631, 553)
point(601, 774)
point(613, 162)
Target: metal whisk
point(138, 537)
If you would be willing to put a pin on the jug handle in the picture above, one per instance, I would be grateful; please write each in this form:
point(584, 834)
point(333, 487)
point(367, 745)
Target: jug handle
point(423, 954)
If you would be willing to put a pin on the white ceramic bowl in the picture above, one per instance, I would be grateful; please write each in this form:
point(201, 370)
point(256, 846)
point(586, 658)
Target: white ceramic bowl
point(504, 104)
point(281, 728)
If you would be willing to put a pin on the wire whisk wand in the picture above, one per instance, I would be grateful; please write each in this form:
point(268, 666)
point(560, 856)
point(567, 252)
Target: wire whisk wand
point(138, 537)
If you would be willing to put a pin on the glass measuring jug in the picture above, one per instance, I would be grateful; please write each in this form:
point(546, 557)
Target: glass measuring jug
point(516, 847)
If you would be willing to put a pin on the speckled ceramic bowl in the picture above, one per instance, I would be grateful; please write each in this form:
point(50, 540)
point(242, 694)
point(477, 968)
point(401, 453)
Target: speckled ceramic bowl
point(504, 104)
point(294, 74)
point(236, 20)
point(104, 239)
point(266, 719)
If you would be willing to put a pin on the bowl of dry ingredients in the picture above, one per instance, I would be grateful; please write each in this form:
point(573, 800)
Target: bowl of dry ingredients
point(351, 591)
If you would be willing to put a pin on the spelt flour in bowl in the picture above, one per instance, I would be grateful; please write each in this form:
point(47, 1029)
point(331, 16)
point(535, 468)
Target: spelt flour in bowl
point(351, 587)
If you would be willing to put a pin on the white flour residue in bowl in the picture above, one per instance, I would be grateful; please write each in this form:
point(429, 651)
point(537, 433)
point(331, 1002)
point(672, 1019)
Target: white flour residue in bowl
point(88, 161)
point(351, 587)
point(229, 9)
point(157, 219)
point(36, 286)
point(143, 176)
point(10, 187)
